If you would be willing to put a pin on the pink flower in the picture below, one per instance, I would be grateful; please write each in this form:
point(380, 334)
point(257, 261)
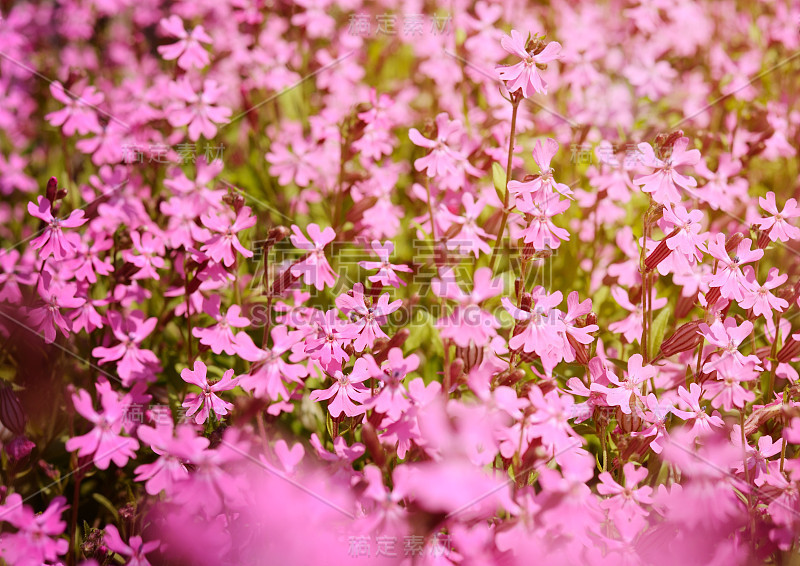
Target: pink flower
point(688, 241)
point(269, 373)
point(543, 185)
point(53, 241)
point(104, 440)
point(79, 113)
point(222, 246)
point(203, 402)
point(150, 257)
point(702, 422)
point(778, 225)
point(656, 414)
point(392, 399)
point(133, 362)
point(197, 109)
point(313, 267)
point(728, 392)
point(38, 538)
point(471, 236)
point(628, 389)
point(367, 327)
point(631, 326)
point(446, 159)
point(543, 327)
point(188, 51)
point(220, 337)
point(345, 390)
point(729, 277)
point(55, 296)
point(759, 298)
point(386, 271)
point(135, 548)
point(728, 336)
point(468, 323)
point(524, 75)
point(541, 232)
point(626, 500)
point(332, 334)
point(665, 179)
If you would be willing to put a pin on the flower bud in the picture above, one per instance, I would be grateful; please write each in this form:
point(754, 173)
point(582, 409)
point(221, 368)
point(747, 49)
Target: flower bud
point(456, 371)
point(19, 448)
point(472, 356)
point(684, 339)
point(712, 296)
point(283, 281)
point(591, 318)
point(789, 351)
point(356, 212)
point(684, 305)
point(581, 355)
point(733, 241)
point(51, 192)
point(12, 414)
point(632, 422)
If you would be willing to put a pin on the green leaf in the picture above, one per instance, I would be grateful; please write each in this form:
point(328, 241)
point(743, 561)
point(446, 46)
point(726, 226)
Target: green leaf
point(499, 179)
point(657, 332)
point(102, 500)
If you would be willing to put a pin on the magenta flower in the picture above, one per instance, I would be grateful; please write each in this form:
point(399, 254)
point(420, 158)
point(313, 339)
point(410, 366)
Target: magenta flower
point(627, 500)
point(369, 318)
point(38, 538)
point(220, 337)
point(346, 390)
point(224, 243)
point(332, 334)
point(269, 373)
point(202, 403)
point(150, 257)
point(468, 323)
point(198, 110)
point(188, 51)
point(135, 548)
point(313, 267)
point(727, 391)
point(392, 400)
point(173, 452)
point(133, 362)
point(777, 225)
point(88, 262)
point(79, 113)
point(525, 74)
point(53, 240)
point(386, 271)
point(665, 179)
point(628, 389)
point(729, 277)
point(55, 296)
point(104, 441)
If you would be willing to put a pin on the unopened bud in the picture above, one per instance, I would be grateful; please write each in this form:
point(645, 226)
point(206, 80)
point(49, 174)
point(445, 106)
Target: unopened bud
point(591, 318)
point(658, 255)
point(581, 355)
point(732, 242)
point(509, 379)
point(452, 232)
point(51, 192)
point(713, 296)
point(471, 355)
point(12, 415)
point(456, 370)
point(684, 305)
point(762, 237)
point(356, 212)
point(789, 351)
point(685, 338)
point(283, 281)
point(275, 235)
point(525, 302)
point(631, 422)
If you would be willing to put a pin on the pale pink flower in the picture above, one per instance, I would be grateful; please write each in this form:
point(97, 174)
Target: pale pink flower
point(224, 243)
point(198, 110)
point(665, 179)
point(345, 390)
point(188, 51)
point(525, 74)
point(53, 240)
point(386, 271)
point(313, 267)
point(777, 225)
